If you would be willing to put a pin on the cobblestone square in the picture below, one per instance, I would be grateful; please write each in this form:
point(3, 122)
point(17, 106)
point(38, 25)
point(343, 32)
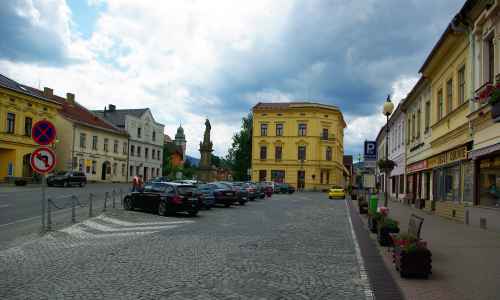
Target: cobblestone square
point(290, 247)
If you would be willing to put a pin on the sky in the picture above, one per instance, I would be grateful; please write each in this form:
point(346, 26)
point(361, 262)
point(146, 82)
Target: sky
point(192, 59)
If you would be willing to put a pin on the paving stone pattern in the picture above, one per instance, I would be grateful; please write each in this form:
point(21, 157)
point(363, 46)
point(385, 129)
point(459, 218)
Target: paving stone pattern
point(289, 247)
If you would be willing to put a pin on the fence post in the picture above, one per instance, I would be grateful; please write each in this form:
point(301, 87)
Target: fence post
point(90, 204)
point(49, 214)
point(106, 195)
point(73, 209)
point(114, 196)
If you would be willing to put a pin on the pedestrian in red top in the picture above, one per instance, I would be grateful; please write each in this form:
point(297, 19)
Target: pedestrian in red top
point(268, 191)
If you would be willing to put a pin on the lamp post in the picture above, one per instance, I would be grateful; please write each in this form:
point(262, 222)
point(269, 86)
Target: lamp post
point(388, 108)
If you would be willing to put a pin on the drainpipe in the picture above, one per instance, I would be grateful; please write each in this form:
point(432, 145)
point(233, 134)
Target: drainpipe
point(73, 149)
point(128, 157)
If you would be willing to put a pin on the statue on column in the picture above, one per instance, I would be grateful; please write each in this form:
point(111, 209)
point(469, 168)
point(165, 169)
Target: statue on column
point(206, 169)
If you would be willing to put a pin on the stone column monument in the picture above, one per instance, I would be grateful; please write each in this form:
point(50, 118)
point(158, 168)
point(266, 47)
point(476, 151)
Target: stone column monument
point(206, 170)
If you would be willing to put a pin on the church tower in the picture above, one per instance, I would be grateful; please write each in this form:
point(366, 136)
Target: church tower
point(180, 140)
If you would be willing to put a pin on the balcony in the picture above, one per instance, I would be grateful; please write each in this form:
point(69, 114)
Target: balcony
point(327, 138)
point(483, 93)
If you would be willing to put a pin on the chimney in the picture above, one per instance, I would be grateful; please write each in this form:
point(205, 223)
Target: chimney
point(111, 107)
point(70, 98)
point(48, 92)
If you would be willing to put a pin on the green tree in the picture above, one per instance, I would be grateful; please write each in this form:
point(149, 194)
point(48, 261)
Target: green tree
point(240, 154)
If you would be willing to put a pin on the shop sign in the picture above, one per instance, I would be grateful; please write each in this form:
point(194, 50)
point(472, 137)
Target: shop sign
point(448, 157)
point(421, 165)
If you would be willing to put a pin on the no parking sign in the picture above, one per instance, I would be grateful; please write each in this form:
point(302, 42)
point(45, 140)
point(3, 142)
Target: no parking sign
point(43, 132)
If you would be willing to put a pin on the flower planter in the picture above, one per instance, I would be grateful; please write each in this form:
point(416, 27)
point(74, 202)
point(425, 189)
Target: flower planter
point(372, 224)
point(416, 263)
point(384, 237)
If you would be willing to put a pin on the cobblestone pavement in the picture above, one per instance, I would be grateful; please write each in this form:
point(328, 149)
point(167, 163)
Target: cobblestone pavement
point(289, 247)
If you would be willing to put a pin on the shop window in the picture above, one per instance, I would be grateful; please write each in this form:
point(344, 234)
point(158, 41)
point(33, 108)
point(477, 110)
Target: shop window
point(401, 184)
point(94, 167)
point(489, 182)
point(278, 176)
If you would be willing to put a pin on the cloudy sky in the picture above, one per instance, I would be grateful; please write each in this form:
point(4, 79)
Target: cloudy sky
point(192, 59)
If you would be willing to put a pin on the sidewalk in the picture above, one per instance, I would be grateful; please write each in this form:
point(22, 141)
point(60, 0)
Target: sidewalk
point(465, 260)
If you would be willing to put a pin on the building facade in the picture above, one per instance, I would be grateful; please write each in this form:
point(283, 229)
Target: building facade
point(417, 108)
point(90, 144)
point(379, 174)
point(146, 139)
point(20, 108)
point(397, 151)
point(300, 143)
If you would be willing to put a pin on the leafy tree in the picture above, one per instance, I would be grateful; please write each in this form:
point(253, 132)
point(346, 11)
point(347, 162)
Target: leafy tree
point(240, 154)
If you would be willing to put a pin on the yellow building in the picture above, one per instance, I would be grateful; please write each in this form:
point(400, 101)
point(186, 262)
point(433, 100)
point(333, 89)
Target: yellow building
point(20, 108)
point(299, 143)
point(90, 144)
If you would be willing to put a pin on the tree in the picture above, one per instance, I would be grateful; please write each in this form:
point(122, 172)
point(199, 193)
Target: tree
point(240, 154)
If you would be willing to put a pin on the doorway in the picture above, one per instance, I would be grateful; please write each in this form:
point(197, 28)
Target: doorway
point(301, 180)
point(106, 169)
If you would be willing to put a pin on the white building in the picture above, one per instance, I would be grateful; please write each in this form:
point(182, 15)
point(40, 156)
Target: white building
point(146, 139)
point(397, 178)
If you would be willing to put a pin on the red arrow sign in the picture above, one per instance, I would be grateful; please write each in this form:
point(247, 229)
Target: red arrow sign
point(43, 160)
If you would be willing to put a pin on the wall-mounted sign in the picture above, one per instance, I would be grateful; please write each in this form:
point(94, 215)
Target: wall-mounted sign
point(448, 157)
point(370, 152)
point(418, 166)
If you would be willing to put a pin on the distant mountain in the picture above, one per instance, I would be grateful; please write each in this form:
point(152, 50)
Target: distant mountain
point(193, 160)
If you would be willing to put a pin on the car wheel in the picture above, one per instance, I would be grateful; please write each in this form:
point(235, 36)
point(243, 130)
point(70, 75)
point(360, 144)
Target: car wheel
point(82, 184)
point(127, 203)
point(242, 202)
point(227, 204)
point(162, 208)
point(193, 213)
point(66, 184)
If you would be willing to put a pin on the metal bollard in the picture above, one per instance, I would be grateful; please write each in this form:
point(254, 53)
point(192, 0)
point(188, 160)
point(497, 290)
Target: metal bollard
point(90, 204)
point(49, 214)
point(114, 196)
point(121, 197)
point(73, 209)
point(106, 195)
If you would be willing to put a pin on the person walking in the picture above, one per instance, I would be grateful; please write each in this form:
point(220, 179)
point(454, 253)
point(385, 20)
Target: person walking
point(268, 191)
point(137, 183)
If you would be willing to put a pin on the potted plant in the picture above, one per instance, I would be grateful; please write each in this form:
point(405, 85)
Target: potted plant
point(494, 101)
point(411, 256)
point(386, 165)
point(386, 226)
point(373, 220)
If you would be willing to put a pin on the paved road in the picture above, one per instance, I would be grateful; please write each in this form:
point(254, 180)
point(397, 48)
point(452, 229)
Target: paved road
point(20, 207)
point(290, 247)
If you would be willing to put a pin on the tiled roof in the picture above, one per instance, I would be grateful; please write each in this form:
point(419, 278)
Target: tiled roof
point(21, 88)
point(285, 105)
point(82, 115)
point(117, 117)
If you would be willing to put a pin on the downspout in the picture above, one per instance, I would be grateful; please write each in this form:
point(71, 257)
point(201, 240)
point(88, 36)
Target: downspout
point(73, 149)
point(128, 156)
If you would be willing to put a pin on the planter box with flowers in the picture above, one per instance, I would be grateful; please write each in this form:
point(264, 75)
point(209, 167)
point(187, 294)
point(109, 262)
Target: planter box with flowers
point(386, 165)
point(385, 227)
point(411, 257)
point(491, 94)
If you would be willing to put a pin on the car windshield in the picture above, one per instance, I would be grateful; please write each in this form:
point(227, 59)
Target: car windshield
point(221, 185)
point(186, 189)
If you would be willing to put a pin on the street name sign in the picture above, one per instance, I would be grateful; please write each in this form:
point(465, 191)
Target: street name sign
point(43, 132)
point(43, 160)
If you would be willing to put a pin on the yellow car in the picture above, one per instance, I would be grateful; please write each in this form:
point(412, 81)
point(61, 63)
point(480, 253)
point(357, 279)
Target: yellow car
point(336, 192)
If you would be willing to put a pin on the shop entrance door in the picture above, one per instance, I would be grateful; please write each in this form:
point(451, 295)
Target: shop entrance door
point(301, 180)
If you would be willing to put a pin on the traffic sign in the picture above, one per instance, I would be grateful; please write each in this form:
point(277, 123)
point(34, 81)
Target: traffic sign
point(43, 160)
point(43, 132)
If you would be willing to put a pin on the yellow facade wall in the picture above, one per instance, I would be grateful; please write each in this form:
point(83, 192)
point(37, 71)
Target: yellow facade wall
point(17, 146)
point(316, 118)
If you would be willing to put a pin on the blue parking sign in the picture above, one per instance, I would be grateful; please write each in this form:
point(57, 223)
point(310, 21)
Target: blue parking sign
point(370, 150)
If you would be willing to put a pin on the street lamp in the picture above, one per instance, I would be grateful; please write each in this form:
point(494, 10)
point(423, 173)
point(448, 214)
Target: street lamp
point(388, 108)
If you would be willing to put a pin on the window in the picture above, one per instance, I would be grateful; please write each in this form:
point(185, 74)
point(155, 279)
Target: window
point(490, 44)
point(278, 152)
point(132, 150)
point(28, 123)
point(94, 142)
point(146, 153)
point(263, 129)
point(74, 162)
point(123, 169)
point(302, 153)
point(279, 129)
point(263, 152)
point(81, 162)
point(449, 96)
point(302, 129)
point(137, 170)
point(115, 166)
point(83, 140)
point(106, 141)
point(131, 171)
point(11, 122)
point(153, 152)
point(138, 151)
point(94, 167)
point(461, 85)
point(413, 126)
point(87, 168)
point(125, 146)
point(154, 135)
point(328, 153)
point(139, 132)
point(324, 134)
point(262, 175)
point(115, 147)
point(418, 122)
point(408, 130)
point(159, 154)
point(440, 105)
point(427, 115)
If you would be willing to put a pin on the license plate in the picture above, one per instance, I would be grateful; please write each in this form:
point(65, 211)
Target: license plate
point(229, 194)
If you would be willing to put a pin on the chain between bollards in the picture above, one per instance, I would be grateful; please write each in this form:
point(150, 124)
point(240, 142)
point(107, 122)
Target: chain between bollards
point(91, 196)
point(73, 208)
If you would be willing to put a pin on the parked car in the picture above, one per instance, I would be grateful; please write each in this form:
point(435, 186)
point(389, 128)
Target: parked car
point(206, 194)
point(251, 190)
point(67, 178)
point(165, 198)
point(240, 191)
point(285, 188)
point(336, 192)
point(261, 192)
point(223, 193)
point(160, 179)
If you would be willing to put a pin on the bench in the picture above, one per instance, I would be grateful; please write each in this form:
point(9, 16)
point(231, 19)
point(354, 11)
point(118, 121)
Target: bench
point(414, 227)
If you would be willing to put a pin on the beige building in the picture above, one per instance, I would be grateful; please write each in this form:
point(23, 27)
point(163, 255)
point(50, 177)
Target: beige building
point(90, 144)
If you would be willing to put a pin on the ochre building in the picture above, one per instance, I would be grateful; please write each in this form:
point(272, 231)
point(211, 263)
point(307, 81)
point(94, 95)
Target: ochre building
point(299, 143)
point(20, 108)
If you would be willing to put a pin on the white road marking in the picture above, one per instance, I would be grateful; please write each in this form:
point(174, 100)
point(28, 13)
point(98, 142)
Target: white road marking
point(19, 221)
point(126, 223)
point(78, 232)
point(94, 225)
point(363, 274)
point(4, 205)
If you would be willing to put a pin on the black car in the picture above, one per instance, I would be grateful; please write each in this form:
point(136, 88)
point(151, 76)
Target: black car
point(239, 195)
point(67, 178)
point(165, 198)
point(206, 194)
point(285, 188)
point(261, 190)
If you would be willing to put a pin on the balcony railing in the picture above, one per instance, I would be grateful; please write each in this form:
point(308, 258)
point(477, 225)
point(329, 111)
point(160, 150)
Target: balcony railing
point(330, 137)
